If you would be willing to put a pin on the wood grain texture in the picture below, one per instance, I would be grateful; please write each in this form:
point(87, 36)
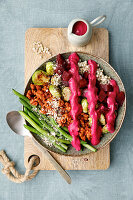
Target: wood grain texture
point(56, 40)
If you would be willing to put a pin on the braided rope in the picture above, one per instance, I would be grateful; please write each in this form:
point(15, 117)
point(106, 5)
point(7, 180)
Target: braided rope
point(12, 174)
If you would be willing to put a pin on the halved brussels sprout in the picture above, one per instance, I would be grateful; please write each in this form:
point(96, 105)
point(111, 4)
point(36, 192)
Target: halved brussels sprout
point(97, 106)
point(55, 91)
point(102, 119)
point(84, 104)
point(66, 93)
point(50, 68)
point(104, 129)
point(39, 77)
point(90, 121)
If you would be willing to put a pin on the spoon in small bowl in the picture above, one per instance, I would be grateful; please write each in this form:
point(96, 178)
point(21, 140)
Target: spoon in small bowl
point(16, 122)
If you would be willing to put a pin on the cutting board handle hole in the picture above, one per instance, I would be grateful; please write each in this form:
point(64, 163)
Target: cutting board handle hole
point(37, 161)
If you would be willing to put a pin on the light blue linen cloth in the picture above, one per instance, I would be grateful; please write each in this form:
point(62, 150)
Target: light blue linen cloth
point(16, 16)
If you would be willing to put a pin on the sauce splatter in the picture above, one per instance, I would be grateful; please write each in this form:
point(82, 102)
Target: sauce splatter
point(79, 28)
point(76, 108)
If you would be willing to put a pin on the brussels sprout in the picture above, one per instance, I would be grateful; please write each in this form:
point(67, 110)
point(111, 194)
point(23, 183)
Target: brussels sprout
point(104, 129)
point(84, 104)
point(66, 93)
point(90, 121)
point(56, 80)
point(102, 119)
point(40, 77)
point(50, 68)
point(55, 91)
point(97, 106)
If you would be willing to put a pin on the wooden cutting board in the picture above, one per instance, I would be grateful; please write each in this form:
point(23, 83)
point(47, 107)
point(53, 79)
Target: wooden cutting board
point(56, 40)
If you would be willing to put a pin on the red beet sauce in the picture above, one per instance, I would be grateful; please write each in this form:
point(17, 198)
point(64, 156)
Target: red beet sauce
point(76, 108)
point(111, 101)
point(79, 28)
point(114, 99)
point(92, 99)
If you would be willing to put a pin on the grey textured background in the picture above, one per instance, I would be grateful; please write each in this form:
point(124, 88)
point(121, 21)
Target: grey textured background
point(15, 17)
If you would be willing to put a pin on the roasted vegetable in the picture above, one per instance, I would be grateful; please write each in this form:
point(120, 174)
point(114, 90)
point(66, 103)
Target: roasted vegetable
point(84, 104)
point(66, 93)
point(55, 91)
point(105, 130)
point(90, 121)
point(50, 68)
point(102, 119)
point(40, 77)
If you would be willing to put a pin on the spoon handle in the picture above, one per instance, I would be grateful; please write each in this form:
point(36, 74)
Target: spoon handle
point(58, 167)
point(98, 20)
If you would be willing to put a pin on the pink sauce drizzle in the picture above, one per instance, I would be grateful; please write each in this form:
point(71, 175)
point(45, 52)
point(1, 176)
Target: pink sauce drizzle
point(79, 28)
point(111, 102)
point(76, 108)
point(92, 98)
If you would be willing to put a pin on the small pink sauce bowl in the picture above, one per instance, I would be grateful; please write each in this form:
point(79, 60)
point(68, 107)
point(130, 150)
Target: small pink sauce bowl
point(80, 31)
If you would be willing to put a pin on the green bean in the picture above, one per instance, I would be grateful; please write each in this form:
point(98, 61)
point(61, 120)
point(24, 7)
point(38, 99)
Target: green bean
point(51, 130)
point(57, 127)
point(58, 134)
point(45, 118)
point(43, 123)
point(46, 122)
point(64, 146)
point(25, 110)
point(47, 126)
point(89, 146)
point(59, 147)
point(38, 133)
point(64, 141)
point(24, 103)
point(21, 96)
point(28, 119)
point(69, 137)
point(31, 129)
point(32, 116)
point(43, 132)
point(65, 129)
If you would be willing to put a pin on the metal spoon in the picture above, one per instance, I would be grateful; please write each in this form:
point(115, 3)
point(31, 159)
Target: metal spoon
point(15, 122)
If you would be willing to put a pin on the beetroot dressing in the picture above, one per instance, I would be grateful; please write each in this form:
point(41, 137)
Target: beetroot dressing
point(79, 28)
point(76, 108)
point(92, 98)
point(111, 102)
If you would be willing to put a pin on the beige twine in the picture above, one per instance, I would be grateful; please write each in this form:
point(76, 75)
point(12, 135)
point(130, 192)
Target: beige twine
point(12, 174)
